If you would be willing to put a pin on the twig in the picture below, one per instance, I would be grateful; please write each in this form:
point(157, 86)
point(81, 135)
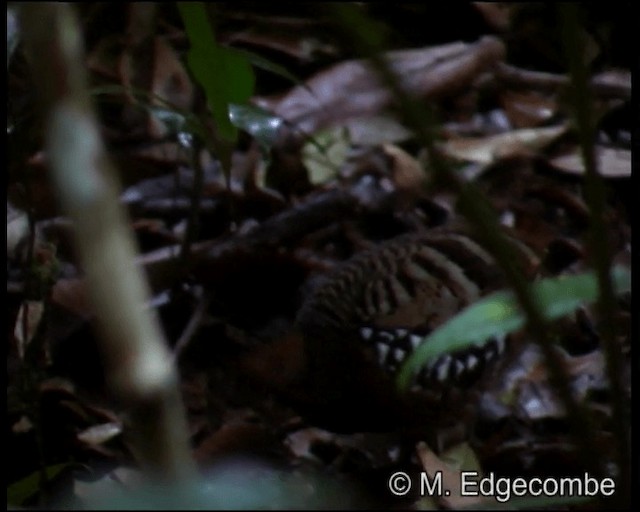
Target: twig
point(288, 225)
point(191, 328)
point(139, 364)
point(595, 190)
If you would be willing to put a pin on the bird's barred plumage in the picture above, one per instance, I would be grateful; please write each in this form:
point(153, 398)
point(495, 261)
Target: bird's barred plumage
point(389, 297)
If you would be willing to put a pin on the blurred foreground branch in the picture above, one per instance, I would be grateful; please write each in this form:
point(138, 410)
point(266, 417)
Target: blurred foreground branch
point(138, 363)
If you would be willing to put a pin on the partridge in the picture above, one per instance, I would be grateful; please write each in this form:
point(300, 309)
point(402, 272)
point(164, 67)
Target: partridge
point(365, 318)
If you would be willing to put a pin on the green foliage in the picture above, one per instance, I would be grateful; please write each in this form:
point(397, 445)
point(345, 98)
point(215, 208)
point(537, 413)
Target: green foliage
point(499, 314)
point(263, 126)
point(19, 492)
point(225, 74)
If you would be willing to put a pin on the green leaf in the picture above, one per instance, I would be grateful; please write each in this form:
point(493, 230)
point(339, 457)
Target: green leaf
point(499, 314)
point(19, 492)
point(257, 122)
point(225, 74)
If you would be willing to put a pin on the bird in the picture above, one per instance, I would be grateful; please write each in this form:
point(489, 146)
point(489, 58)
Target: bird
point(364, 319)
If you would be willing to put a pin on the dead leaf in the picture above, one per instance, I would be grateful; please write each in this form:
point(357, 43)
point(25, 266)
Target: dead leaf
point(527, 109)
point(22, 426)
point(611, 162)
point(301, 441)
point(486, 150)
point(100, 434)
point(524, 385)
point(352, 89)
point(170, 81)
point(17, 230)
point(496, 14)
point(460, 459)
point(408, 174)
point(613, 82)
point(610, 84)
point(325, 155)
point(376, 129)
point(27, 323)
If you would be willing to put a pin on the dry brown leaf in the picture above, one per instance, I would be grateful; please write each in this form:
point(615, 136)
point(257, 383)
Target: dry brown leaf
point(99, 434)
point(496, 14)
point(27, 323)
point(486, 150)
point(17, 230)
point(170, 81)
point(610, 84)
point(611, 162)
point(376, 129)
point(451, 479)
point(525, 384)
point(352, 89)
point(24, 424)
point(301, 441)
point(408, 174)
point(528, 109)
point(613, 82)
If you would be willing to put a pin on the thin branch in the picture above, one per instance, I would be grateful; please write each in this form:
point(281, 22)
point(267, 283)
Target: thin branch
point(138, 361)
point(595, 195)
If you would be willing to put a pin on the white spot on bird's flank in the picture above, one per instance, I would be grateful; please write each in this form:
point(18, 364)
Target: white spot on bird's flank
point(472, 361)
point(491, 350)
point(398, 354)
point(508, 219)
point(443, 368)
point(415, 341)
point(401, 333)
point(366, 332)
point(383, 351)
point(459, 368)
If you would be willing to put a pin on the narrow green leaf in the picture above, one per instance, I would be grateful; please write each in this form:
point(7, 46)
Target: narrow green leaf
point(499, 314)
point(225, 74)
point(19, 492)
